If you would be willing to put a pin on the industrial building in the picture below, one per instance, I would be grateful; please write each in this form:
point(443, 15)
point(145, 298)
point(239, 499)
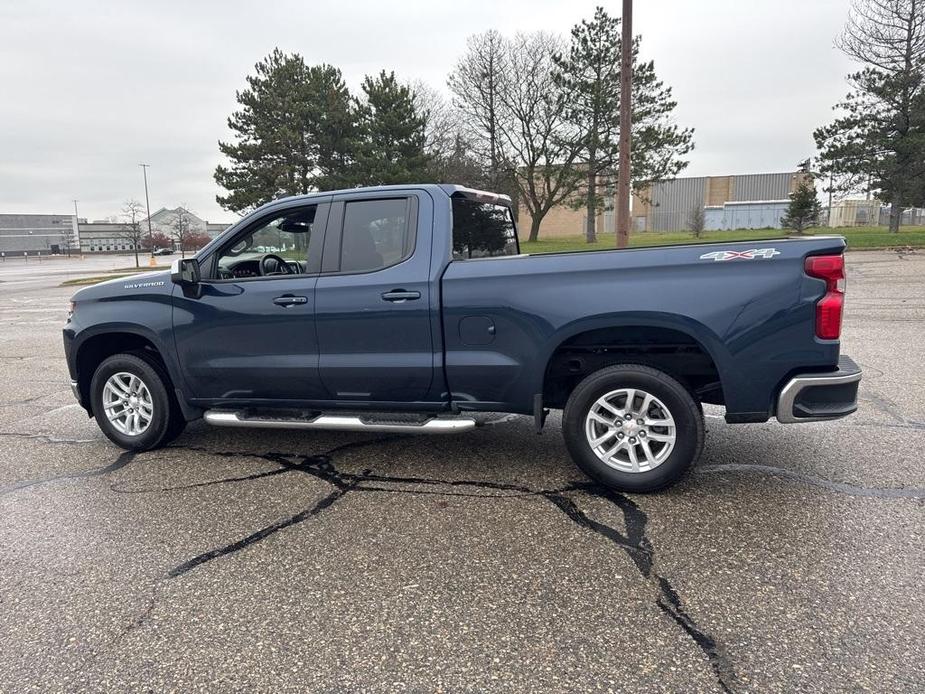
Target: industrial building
point(110, 237)
point(55, 234)
point(37, 234)
point(863, 213)
point(749, 201)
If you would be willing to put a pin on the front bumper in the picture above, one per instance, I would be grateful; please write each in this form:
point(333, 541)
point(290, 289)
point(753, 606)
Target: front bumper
point(816, 397)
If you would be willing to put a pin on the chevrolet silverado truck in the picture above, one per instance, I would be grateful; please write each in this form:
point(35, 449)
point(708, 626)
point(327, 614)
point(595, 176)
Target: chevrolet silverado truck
point(410, 308)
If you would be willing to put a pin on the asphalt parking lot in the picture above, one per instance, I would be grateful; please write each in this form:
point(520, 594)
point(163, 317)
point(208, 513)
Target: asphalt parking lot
point(793, 558)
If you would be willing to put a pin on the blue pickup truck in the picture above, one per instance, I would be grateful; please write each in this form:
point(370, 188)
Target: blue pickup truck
point(408, 308)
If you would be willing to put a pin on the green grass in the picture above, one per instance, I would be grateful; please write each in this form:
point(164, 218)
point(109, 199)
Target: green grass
point(858, 238)
point(113, 274)
point(142, 268)
point(78, 281)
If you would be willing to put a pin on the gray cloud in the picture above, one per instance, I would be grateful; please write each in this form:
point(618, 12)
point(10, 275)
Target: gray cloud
point(90, 89)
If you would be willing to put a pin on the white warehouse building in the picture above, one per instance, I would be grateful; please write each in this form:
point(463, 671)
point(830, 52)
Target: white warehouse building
point(758, 214)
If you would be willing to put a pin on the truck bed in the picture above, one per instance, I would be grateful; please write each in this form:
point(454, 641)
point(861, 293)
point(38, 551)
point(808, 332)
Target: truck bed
point(752, 313)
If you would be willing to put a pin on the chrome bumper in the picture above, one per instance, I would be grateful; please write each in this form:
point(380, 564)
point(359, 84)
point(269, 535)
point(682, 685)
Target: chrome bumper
point(817, 397)
point(75, 389)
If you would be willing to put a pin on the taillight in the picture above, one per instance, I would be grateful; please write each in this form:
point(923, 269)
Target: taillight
point(830, 268)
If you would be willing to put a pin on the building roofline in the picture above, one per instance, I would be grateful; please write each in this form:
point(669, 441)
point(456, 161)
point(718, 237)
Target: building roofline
point(739, 175)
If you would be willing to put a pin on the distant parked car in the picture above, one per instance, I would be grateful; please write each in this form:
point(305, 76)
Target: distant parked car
point(162, 251)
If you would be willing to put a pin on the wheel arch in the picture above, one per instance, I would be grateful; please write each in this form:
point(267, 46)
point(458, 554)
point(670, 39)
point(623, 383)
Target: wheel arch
point(643, 338)
point(93, 346)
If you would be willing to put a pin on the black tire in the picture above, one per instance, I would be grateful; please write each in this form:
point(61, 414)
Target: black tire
point(687, 415)
point(167, 420)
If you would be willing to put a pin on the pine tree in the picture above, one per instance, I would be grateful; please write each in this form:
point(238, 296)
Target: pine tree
point(391, 134)
point(589, 76)
point(804, 208)
point(697, 220)
point(333, 124)
point(293, 133)
point(878, 141)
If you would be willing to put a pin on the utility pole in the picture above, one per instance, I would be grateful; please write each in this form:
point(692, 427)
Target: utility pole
point(144, 169)
point(831, 188)
point(626, 124)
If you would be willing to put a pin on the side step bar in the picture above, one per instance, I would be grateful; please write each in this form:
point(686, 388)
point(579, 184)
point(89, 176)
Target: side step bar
point(226, 418)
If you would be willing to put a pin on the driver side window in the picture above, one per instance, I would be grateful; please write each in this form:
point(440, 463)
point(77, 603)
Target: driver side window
point(275, 247)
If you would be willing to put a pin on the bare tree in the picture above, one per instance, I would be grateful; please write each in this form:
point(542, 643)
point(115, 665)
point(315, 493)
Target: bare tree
point(696, 220)
point(477, 83)
point(533, 126)
point(449, 156)
point(68, 240)
point(132, 214)
point(441, 121)
point(180, 229)
point(885, 34)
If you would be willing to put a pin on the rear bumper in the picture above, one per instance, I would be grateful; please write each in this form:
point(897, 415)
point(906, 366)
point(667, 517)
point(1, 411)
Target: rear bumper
point(816, 397)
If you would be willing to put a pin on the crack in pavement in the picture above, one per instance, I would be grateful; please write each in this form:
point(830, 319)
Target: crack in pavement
point(889, 408)
point(635, 543)
point(812, 480)
point(909, 424)
point(45, 438)
point(640, 550)
point(124, 459)
point(262, 534)
point(142, 617)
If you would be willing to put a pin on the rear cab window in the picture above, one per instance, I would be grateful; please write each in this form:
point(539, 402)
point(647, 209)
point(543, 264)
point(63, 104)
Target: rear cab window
point(482, 230)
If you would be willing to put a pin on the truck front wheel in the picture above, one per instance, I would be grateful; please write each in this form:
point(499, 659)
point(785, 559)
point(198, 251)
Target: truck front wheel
point(633, 428)
point(132, 404)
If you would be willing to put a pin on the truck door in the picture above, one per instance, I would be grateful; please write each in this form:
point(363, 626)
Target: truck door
point(372, 301)
point(249, 334)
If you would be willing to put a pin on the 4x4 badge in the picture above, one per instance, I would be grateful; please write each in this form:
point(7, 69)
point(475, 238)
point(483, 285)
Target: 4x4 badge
point(766, 253)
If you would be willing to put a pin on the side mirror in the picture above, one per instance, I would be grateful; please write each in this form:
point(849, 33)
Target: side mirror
point(185, 272)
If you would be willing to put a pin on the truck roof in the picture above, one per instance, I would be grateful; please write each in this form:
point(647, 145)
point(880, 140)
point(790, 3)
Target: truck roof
point(450, 189)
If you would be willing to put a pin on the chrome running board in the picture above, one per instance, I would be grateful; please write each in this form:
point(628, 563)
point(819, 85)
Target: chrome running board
point(434, 425)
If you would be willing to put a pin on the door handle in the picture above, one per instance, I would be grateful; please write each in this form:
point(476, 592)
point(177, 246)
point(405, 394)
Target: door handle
point(398, 295)
point(290, 300)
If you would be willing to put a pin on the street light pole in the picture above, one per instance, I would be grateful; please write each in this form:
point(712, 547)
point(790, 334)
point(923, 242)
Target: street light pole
point(626, 124)
point(144, 168)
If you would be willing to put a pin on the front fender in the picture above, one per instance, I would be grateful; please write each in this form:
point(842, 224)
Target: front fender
point(149, 317)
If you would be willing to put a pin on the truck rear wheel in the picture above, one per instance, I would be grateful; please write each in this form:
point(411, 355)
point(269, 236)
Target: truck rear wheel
point(132, 404)
point(633, 428)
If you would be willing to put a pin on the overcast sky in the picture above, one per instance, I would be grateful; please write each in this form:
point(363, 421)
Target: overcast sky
point(90, 89)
